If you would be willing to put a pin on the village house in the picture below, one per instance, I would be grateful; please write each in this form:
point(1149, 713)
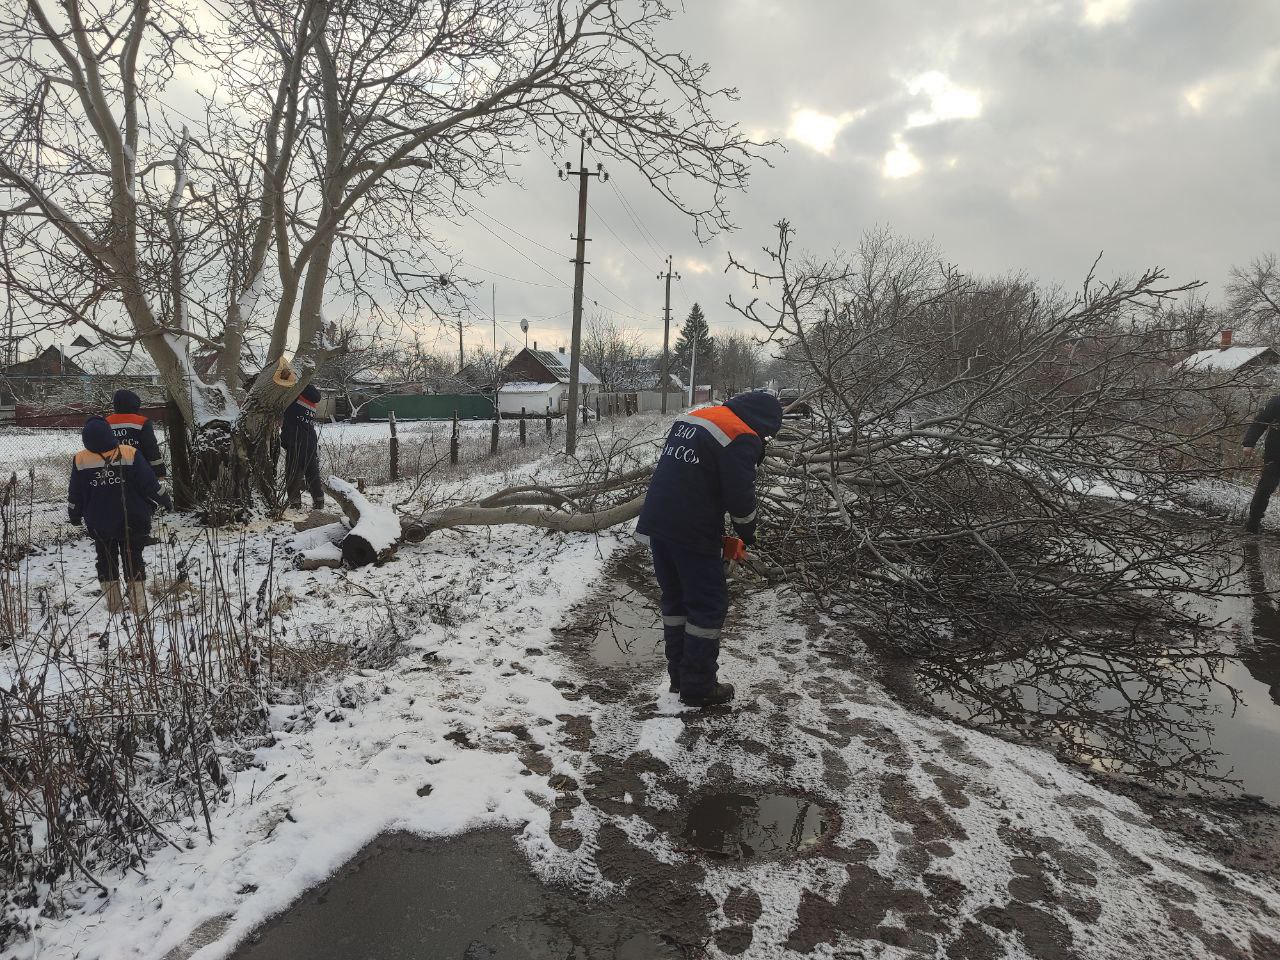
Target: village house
point(1228, 357)
point(536, 382)
point(63, 383)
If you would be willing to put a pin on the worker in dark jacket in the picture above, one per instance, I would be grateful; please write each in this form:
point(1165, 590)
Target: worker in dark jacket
point(114, 492)
point(133, 429)
point(707, 468)
point(1267, 421)
point(302, 449)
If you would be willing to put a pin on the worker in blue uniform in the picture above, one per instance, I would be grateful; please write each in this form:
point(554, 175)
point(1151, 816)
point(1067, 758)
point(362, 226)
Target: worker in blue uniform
point(707, 469)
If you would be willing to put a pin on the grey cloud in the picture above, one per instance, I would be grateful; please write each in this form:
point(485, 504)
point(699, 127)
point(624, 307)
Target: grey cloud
point(1084, 143)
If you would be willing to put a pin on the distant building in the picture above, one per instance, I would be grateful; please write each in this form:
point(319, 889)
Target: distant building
point(1229, 357)
point(644, 374)
point(64, 383)
point(537, 382)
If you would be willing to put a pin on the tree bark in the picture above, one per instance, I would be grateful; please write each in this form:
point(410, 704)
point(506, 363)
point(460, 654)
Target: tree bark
point(470, 515)
point(184, 486)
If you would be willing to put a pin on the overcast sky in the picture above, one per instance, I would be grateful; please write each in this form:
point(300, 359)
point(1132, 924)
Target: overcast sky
point(1021, 135)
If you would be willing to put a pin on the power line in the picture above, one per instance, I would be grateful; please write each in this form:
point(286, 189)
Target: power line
point(503, 240)
point(645, 233)
point(603, 220)
point(507, 226)
point(530, 283)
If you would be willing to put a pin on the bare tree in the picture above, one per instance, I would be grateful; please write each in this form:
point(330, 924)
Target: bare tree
point(1186, 325)
point(484, 368)
point(339, 135)
point(739, 362)
point(357, 368)
point(1253, 298)
point(413, 361)
point(610, 350)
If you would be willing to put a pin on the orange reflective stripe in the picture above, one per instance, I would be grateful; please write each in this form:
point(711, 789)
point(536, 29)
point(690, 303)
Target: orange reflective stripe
point(729, 422)
point(126, 419)
point(126, 452)
point(88, 460)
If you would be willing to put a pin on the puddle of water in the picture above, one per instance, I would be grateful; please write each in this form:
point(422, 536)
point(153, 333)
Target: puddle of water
point(620, 626)
point(1178, 722)
point(624, 630)
point(472, 897)
point(629, 633)
point(743, 826)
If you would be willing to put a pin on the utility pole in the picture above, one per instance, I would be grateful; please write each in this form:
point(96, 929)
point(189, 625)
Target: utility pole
point(462, 360)
point(693, 359)
point(493, 313)
point(666, 335)
point(579, 271)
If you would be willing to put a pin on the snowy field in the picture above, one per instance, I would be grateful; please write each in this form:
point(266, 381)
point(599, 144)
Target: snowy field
point(41, 458)
point(945, 842)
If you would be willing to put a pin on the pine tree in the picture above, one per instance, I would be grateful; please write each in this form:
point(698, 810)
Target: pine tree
point(695, 330)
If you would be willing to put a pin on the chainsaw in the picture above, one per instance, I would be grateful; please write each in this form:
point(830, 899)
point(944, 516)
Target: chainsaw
point(749, 566)
point(735, 551)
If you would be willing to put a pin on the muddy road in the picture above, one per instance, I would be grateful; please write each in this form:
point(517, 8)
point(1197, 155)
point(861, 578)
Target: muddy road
point(817, 817)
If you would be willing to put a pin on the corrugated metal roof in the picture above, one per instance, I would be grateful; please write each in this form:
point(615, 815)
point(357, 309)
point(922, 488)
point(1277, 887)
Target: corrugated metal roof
point(557, 365)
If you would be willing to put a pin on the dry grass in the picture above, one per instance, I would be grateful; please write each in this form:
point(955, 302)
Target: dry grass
point(111, 737)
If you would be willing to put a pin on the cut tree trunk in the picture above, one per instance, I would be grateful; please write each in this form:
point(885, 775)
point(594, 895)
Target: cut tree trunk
point(473, 515)
point(376, 531)
point(221, 475)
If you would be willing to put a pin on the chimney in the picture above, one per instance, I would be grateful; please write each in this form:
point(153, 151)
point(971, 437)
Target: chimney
point(535, 345)
point(1226, 339)
point(562, 349)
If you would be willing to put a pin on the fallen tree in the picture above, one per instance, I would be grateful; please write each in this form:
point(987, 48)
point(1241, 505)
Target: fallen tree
point(603, 490)
point(980, 452)
point(990, 472)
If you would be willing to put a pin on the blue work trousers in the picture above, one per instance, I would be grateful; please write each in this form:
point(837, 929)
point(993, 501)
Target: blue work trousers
point(695, 600)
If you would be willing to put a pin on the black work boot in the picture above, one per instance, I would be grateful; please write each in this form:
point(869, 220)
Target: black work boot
point(1252, 526)
point(295, 504)
point(317, 503)
point(720, 693)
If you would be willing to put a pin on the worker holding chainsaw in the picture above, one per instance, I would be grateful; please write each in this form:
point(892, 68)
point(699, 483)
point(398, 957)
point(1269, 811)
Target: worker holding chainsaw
point(707, 469)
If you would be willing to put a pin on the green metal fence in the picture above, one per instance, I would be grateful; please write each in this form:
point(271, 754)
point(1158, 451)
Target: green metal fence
point(432, 406)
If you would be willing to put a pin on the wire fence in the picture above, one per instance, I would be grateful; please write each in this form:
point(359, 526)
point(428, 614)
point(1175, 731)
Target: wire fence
point(40, 435)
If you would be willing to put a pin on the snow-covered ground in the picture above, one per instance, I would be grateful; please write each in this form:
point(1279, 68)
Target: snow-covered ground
point(44, 455)
point(945, 842)
point(341, 767)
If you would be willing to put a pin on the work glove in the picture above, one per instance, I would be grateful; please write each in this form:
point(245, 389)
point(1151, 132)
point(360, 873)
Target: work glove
point(164, 502)
point(747, 533)
point(73, 516)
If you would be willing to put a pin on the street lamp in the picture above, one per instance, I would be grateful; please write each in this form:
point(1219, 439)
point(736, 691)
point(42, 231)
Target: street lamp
point(524, 328)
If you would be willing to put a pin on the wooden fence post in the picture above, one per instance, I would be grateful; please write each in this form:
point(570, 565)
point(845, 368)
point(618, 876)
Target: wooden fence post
point(548, 426)
point(524, 439)
point(493, 436)
point(395, 446)
point(585, 409)
point(453, 441)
